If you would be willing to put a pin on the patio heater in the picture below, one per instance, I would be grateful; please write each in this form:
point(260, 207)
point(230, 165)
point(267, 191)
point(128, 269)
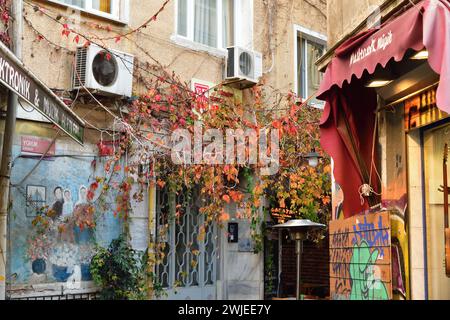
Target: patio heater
point(297, 231)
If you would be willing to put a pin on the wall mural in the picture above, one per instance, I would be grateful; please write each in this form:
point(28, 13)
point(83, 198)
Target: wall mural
point(53, 228)
point(360, 258)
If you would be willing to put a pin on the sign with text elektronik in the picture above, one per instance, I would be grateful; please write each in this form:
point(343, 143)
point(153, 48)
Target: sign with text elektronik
point(17, 78)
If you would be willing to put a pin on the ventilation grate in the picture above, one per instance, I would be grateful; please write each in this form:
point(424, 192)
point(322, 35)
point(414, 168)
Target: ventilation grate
point(79, 76)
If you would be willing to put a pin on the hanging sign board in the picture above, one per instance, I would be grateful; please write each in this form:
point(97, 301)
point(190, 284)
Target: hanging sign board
point(15, 76)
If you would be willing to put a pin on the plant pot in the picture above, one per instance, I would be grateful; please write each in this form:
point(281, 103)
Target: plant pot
point(39, 266)
point(60, 273)
point(86, 272)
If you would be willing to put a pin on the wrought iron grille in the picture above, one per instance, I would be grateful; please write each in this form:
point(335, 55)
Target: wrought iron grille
point(190, 243)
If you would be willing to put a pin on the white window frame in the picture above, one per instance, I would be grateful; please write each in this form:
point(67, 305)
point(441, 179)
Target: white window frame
point(120, 9)
point(310, 35)
point(218, 50)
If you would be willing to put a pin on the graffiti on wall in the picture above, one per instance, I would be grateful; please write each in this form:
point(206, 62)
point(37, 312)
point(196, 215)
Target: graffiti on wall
point(360, 258)
point(53, 228)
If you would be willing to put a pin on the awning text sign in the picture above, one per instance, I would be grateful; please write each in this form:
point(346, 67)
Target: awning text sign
point(14, 76)
point(376, 44)
point(366, 50)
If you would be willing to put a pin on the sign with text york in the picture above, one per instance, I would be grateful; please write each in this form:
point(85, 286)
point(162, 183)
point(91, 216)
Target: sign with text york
point(15, 77)
point(37, 145)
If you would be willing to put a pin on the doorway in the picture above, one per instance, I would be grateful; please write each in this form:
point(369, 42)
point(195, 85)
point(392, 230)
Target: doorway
point(434, 141)
point(188, 267)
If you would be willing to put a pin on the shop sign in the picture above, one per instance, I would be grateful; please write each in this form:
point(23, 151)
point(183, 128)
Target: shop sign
point(375, 45)
point(201, 89)
point(360, 258)
point(37, 145)
point(17, 78)
point(421, 110)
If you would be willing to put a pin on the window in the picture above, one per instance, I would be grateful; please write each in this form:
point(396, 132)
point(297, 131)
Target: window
point(309, 48)
point(115, 9)
point(214, 23)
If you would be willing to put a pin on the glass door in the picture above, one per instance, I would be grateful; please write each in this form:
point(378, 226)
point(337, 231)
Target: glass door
point(434, 142)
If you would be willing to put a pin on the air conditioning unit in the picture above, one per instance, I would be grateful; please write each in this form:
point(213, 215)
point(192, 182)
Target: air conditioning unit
point(107, 72)
point(244, 67)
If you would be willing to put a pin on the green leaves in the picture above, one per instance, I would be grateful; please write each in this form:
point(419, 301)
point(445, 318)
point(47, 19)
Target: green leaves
point(120, 271)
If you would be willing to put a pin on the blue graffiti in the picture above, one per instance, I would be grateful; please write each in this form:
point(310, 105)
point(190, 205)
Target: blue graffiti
point(375, 236)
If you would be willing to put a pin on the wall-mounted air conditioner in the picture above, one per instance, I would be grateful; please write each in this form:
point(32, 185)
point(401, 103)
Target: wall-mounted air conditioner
point(244, 67)
point(108, 72)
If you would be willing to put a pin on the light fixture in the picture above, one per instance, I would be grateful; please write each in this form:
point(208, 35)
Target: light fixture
point(378, 83)
point(297, 231)
point(313, 158)
point(421, 55)
point(380, 78)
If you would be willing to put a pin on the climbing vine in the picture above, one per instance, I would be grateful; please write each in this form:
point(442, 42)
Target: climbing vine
point(143, 157)
point(5, 19)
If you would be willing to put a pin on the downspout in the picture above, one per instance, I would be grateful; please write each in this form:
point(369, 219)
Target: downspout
point(152, 250)
point(16, 33)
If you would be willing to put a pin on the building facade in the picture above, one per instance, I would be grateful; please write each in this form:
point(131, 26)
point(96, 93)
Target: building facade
point(391, 150)
point(49, 168)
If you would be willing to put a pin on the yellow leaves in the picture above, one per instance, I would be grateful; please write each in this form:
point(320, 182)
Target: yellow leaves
point(257, 190)
point(201, 234)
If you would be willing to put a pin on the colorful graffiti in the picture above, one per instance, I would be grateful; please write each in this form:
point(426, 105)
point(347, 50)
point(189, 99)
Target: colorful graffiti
point(365, 274)
point(360, 258)
point(56, 246)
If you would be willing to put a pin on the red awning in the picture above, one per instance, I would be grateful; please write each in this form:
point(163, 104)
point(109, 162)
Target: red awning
point(347, 125)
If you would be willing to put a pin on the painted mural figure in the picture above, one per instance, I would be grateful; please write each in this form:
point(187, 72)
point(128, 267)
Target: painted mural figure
point(57, 206)
point(68, 204)
point(364, 274)
point(72, 237)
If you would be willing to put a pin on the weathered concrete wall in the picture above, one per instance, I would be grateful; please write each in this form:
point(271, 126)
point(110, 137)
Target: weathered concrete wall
point(274, 35)
point(346, 15)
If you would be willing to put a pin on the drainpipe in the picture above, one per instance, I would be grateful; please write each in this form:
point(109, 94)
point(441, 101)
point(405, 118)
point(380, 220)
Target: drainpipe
point(8, 138)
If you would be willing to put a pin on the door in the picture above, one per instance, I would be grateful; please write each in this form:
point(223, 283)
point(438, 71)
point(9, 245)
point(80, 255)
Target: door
point(434, 142)
point(188, 267)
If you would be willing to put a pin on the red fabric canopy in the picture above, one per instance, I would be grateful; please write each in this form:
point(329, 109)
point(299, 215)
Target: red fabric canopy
point(347, 125)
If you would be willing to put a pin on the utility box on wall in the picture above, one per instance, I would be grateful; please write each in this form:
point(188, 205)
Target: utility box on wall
point(233, 232)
